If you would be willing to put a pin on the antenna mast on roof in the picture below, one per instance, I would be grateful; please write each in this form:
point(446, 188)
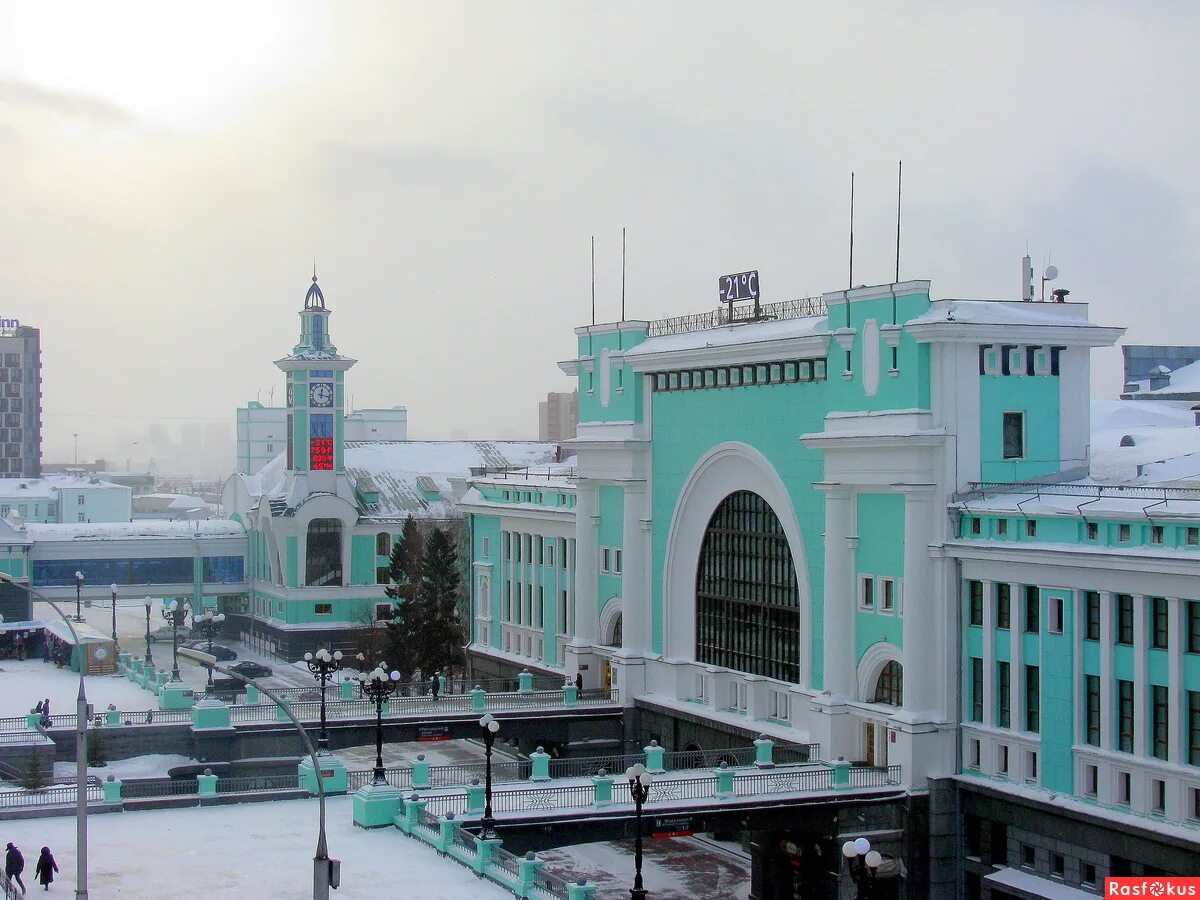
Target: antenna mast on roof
point(622, 273)
point(899, 183)
point(851, 285)
point(593, 279)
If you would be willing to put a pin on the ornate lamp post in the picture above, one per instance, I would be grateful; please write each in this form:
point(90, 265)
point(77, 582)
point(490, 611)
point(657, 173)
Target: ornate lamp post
point(639, 790)
point(210, 622)
point(863, 862)
point(78, 592)
point(490, 726)
point(323, 664)
point(176, 614)
point(149, 655)
point(113, 588)
point(377, 686)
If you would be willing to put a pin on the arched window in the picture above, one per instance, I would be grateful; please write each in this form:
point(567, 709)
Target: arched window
point(747, 597)
point(324, 564)
point(383, 544)
point(616, 636)
point(889, 688)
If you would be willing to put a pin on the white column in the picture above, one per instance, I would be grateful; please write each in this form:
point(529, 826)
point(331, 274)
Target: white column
point(920, 605)
point(839, 601)
point(635, 581)
point(1175, 708)
point(1107, 712)
point(1016, 665)
point(1141, 717)
point(587, 565)
point(989, 655)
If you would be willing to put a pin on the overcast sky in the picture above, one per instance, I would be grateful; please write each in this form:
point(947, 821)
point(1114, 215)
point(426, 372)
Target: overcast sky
point(170, 171)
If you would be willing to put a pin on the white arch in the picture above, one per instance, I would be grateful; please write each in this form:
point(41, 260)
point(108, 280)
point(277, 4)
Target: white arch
point(609, 616)
point(726, 468)
point(870, 666)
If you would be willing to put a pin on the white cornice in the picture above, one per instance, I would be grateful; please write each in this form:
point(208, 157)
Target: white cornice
point(570, 367)
point(539, 513)
point(976, 333)
point(877, 292)
point(334, 363)
point(630, 326)
point(1072, 555)
point(767, 350)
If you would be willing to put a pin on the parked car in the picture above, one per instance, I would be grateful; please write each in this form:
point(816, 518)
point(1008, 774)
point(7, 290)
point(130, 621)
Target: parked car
point(251, 670)
point(164, 633)
point(220, 651)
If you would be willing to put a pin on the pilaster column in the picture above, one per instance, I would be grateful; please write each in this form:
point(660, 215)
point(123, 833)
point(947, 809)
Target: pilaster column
point(989, 653)
point(920, 617)
point(1016, 666)
point(1175, 708)
point(839, 603)
point(1107, 711)
point(587, 562)
point(1141, 717)
point(635, 581)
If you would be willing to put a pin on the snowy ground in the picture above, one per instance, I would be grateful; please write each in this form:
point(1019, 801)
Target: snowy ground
point(24, 683)
point(243, 851)
point(154, 765)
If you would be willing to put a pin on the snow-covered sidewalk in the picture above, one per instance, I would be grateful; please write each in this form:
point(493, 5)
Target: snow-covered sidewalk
point(23, 683)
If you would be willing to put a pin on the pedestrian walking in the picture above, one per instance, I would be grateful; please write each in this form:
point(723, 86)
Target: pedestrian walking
point(434, 684)
point(45, 868)
point(14, 864)
point(579, 680)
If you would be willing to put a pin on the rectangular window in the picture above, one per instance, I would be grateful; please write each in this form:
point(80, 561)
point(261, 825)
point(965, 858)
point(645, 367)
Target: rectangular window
point(1032, 609)
point(1033, 699)
point(1002, 759)
point(605, 560)
point(1056, 615)
point(1159, 633)
point(1125, 716)
point(1088, 874)
point(1156, 534)
point(1194, 811)
point(976, 690)
point(1123, 533)
point(518, 546)
point(616, 562)
point(1091, 601)
point(83, 517)
point(550, 553)
point(975, 592)
point(1003, 695)
point(868, 592)
point(1158, 796)
point(973, 755)
point(79, 500)
point(1031, 765)
point(1014, 435)
point(1091, 780)
point(1058, 865)
point(487, 548)
point(541, 550)
point(1093, 531)
point(1159, 721)
point(1030, 528)
point(889, 595)
point(1124, 785)
point(506, 545)
point(1003, 605)
point(1193, 626)
point(1027, 855)
point(323, 609)
point(1194, 728)
point(1193, 536)
point(975, 525)
point(1124, 619)
point(1002, 526)
point(1091, 685)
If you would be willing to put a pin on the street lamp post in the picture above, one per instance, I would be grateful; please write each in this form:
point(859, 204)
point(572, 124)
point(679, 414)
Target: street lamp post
point(149, 655)
point(78, 593)
point(113, 588)
point(863, 863)
point(487, 827)
point(175, 613)
point(639, 790)
point(323, 664)
point(377, 686)
point(210, 622)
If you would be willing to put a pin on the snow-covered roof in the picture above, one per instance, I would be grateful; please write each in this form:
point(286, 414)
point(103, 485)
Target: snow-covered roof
point(1003, 312)
point(729, 335)
point(1184, 380)
point(146, 528)
point(46, 487)
point(1165, 439)
point(547, 475)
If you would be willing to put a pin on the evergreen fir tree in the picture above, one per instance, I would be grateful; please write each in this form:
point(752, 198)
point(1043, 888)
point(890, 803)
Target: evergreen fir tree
point(35, 776)
point(442, 647)
point(95, 749)
point(403, 641)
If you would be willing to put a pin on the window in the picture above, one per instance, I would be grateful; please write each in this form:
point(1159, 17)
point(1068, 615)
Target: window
point(550, 553)
point(79, 500)
point(487, 548)
point(605, 560)
point(1093, 531)
point(1088, 874)
point(1032, 609)
point(383, 544)
point(973, 753)
point(383, 574)
point(889, 689)
point(1091, 686)
point(1003, 605)
point(1033, 701)
point(1159, 633)
point(506, 545)
point(562, 552)
point(82, 517)
point(541, 549)
point(1193, 536)
point(1002, 526)
point(518, 546)
point(779, 705)
point(1091, 780)
point(1031, 765)
point(323, 609)
point(1194, 812)
point(889, 595)
point(1030, 528)
point(701, 687)
point(1124, 785)
point(1194, 728)
point(1124, 619)
point(975, 525)
point(976, 690)
point(1158, 796)
point(1125, 716)
point(616, 562)
point(1014, 435)
point(868, 592)
point(1193, 626)
point(1056, 615)
point(975, 590)
point(1058, 865)
point(1027, 855)
point(324, 563)
point(1123, 533)
point(1156, 534)
point(1002, 759)
point(1003, 695)
point(1091, 600)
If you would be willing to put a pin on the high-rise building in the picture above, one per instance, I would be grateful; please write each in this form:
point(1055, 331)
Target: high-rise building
point(20, 400)
point(558, 415)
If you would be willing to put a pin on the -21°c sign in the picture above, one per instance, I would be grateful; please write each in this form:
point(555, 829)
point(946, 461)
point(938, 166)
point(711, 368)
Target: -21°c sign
point(742, 286)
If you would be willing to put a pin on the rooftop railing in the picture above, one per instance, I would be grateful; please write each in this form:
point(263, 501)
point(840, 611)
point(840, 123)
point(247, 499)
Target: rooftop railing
point(1095, 491)
point(802, 308)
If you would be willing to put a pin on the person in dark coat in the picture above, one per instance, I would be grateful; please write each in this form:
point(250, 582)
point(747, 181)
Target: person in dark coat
point(579, 680)
point(14, 864)
point(45, 868)
point(434, 684)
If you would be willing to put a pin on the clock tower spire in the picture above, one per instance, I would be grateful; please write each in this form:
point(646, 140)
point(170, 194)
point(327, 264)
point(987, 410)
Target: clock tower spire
point(315, 397)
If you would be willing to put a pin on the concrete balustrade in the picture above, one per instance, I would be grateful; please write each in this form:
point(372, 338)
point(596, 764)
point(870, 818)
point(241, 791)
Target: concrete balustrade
point(112, 791)
point(764, 749)
point(654, 758)
point(602, 784)
point(570, 694)
point(525, 682)
point(724, 782)
point(476, 796)
point(420, 772)
point(539, 765)
point(478, 699)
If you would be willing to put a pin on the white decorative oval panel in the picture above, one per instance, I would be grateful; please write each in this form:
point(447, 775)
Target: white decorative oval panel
point(870, 357)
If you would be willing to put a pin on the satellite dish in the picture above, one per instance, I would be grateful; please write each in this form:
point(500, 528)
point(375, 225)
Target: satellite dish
point(1051, 273)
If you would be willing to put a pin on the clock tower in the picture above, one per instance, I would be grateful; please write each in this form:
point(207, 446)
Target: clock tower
point(315, 399)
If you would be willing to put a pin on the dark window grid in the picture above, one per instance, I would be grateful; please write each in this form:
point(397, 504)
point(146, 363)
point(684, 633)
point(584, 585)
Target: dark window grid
point(1193, 626)
point(1092, 603)
point(976, 690)
point(780, 372)
point(1033, 701)
point(1124, 619)
point(1092, 690)
point(1003, 696)
point(1194, 728)
point(224, 569)
point(1160, 728)
point(1032, 609)
point(889, 688)
point(1159, 633)
point(1003, 606)
point(1125, 716)
point(976, 602)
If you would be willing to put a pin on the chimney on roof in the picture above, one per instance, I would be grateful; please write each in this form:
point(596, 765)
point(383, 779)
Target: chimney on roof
point(1196, 414)
point(1160, 377)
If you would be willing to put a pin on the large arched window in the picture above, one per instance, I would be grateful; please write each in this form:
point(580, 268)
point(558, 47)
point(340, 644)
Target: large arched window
point(324, 564)
point(889, 688)
point(747, 598)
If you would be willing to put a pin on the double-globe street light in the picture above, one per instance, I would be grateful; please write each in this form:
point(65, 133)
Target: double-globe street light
point(149, 655)
point(116, 643)
point(487, 827)
point(639, 790)
point(210, 623)
point(176, 614)
point(78, 594)
point(863, 863)
point(377, 686)
point(323, 665)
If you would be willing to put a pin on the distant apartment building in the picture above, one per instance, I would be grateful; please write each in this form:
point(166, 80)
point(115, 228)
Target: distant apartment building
point(558, 415)
point(64, 498)
point(262, 432)
point(1155, 372)
point(20, 400)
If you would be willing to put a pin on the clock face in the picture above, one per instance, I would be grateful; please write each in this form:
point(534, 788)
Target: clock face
point(289, 395)
point(320, 394)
